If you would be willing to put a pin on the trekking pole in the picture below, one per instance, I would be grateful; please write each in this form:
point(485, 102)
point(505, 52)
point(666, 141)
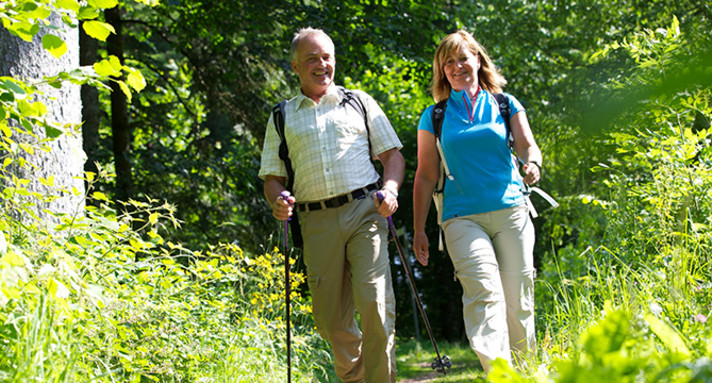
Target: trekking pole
point(285, 195)
point(440, 363)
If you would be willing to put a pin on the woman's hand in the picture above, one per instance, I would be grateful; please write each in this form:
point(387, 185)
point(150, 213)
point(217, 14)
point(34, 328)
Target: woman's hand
point(420, 247)
point(532, 173)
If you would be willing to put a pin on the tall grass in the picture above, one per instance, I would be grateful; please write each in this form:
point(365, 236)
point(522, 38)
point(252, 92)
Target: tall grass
point(103, 297)
point(629, 299)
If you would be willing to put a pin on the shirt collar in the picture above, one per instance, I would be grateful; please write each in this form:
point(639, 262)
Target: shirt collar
point(463, 102)
point(331, 94)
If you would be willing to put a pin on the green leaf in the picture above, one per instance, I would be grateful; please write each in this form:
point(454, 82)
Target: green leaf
point(28, 7)
point(104, 4)
point(98, 30)
point(14, 88)
point(52, 132)
point(99, 196)
point(34, 109)
point(136, 80)
point(54, 45)
point(12, 259)
point(72, 5)
point(24, 30)
point(58, 289)
point(87, 13)
point(125, 89)
point(108, 67)
point(668, 335)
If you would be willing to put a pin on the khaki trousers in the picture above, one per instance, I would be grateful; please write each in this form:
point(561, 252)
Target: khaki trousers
point(348, 270)
point(492, 254)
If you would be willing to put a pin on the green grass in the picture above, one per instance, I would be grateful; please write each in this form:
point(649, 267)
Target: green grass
point(413, 361)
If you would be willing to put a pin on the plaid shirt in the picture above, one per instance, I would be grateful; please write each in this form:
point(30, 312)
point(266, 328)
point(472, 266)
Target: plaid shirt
point(328, 145)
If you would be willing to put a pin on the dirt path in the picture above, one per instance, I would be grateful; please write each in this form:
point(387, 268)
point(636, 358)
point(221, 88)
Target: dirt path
point(429, 377)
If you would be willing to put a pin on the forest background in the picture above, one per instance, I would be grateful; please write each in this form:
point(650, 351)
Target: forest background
point(165, 264)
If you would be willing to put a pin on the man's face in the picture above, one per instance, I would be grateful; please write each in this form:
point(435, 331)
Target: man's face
point(314, 64)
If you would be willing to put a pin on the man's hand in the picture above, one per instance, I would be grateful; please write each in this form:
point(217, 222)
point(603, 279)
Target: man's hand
point(386, 202)
point(282, 206)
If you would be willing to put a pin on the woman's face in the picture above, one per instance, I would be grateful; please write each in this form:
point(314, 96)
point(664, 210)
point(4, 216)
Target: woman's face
point(461, 69)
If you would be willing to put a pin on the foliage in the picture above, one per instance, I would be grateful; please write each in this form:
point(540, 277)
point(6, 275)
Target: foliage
point(99, 301)
point(103, 296)
point(634, 282)
point(622, 115)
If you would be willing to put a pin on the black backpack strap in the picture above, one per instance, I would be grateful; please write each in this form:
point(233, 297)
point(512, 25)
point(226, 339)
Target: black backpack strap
point(278, 119)
point(352, 98)
point(438, 116)
point(505, 112)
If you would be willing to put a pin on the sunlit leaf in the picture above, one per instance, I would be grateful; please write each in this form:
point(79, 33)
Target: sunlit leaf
point(125, 89)
point(24, 30)
point(108, 67)
point(49, 181)
point(11, 258)
point(58, 289)
point(98, 30)
point(72, 5)
point(104, 4)
point(668, 335)
point(54, 45)
point(136, 80)
point(99, 196)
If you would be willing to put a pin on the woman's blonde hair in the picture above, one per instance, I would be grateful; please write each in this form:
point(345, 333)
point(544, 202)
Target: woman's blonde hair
point(488, 75)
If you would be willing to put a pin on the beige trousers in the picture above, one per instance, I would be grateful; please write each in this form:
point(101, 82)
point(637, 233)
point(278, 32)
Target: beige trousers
point(348, 270)
point(492, 254)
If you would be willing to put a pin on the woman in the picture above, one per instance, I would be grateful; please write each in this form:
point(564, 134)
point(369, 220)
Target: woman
point(488, 233)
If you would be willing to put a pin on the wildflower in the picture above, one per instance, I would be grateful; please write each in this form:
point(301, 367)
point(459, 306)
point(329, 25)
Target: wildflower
point(656, 309)
point(701, 318)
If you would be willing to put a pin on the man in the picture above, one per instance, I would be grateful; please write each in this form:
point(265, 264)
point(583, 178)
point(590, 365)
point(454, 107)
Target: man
point(343, 225)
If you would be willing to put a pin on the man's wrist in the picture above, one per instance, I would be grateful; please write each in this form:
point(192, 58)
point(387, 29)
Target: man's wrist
point(391, 190)
point(537, 163)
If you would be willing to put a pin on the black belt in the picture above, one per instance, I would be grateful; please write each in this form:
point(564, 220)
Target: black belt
point(338, 200)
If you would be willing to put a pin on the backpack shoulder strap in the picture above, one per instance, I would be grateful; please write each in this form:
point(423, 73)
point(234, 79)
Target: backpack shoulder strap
point(352, 98)
point(437, 116)
point(278, 119)
point(505, 112)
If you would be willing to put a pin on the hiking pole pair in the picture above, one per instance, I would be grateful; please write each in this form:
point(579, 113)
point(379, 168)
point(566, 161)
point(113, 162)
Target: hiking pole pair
point(440, 363)
point(287, 289)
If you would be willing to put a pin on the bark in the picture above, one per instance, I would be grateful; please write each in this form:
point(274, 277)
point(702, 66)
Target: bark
point(91, 110)
point(120, 129)
point(29, 62)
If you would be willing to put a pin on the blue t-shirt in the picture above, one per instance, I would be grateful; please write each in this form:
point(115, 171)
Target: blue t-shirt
point(486, 176)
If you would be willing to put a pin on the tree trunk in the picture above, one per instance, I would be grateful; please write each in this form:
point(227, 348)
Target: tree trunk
point(120, 129)
point(91, 110)
point(29, 62)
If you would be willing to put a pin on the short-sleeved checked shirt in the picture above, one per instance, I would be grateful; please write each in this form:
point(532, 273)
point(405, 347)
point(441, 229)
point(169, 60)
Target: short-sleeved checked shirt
point(328, 145)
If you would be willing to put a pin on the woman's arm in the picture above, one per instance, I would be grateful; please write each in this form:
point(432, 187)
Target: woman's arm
point(526, 148)
point(426, 177)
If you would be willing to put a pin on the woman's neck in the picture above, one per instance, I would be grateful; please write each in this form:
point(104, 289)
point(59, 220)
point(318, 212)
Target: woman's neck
point(473, 91)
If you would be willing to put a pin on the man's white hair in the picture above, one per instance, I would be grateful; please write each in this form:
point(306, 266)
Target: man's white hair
point(302, 33)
